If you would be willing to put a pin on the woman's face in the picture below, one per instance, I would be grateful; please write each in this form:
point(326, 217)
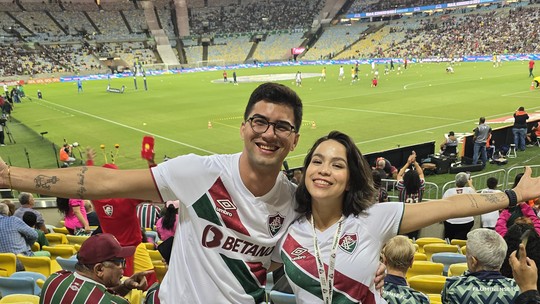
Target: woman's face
point(327, 175)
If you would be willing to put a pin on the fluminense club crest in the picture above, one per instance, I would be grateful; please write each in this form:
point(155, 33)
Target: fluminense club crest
point(108, 209)
point(348, 242)
point(275, 222)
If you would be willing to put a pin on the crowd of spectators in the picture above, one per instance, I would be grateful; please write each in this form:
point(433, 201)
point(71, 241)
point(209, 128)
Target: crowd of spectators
point(254, 16)
point(513, 31)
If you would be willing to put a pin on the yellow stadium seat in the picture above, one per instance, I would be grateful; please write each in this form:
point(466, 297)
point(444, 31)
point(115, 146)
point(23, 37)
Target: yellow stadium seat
point(56, 238)
point(74, 239)
point(457, 269)
point(65, 251)
point(459, 243)
point(428, 240)
point(40, 283)
point(35, 246)
point(62, 230)
point(20, 299)
point(427, 283)
point(425, 267)
point(149, 246)
point(8, 264)
point(160, 270)
point(435, 298)
point(40, 264)
point(430, 249)
point(464, 250)
point(155, 255)
point(420, 256)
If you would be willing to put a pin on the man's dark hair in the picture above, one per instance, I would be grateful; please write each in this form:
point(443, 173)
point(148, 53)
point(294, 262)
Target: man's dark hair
point(278, 94)
point(492, 182)
point(30, 218)
point(482, 120)
point(361, 193)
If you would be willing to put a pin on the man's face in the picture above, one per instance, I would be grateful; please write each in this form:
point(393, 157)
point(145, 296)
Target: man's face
point(111, 272)
point(268, 149)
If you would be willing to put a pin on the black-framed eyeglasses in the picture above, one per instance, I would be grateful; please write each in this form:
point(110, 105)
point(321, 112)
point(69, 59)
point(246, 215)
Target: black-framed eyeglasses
point(260, 124)
point(118, 262)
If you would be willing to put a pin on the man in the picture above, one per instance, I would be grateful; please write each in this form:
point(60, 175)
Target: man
point(234, 78)
point(457, 228)
point(79, 85)
point(519, 129)
point(148, 214)
point(65, 155)
point(449, 145)
point(481, 134)
point(531, 68)
point(341, 74)
point(27, 204)
point(489, 220)
point(486, 251)
point(99, 268)
point(15, 236)
point(234, 208)
point(383, 164)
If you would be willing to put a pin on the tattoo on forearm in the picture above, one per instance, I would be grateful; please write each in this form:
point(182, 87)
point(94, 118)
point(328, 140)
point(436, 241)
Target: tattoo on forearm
point(45, 182)
point(474, 203)
point(81, 176)
point(491, 198)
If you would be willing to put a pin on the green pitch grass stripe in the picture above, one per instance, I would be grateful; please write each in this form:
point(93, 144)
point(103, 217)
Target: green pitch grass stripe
point(132, 128)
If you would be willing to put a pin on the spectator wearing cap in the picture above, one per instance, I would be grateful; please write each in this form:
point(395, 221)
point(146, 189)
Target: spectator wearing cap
point(166, 225)
point(457, 228)
point(97, 279)
point(449, 145)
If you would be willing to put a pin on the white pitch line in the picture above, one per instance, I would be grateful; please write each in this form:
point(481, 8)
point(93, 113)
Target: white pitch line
point(132, 128)
point(386, 113)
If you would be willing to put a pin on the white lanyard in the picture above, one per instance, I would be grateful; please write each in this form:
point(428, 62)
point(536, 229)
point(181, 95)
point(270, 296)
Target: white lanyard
point(327, 281)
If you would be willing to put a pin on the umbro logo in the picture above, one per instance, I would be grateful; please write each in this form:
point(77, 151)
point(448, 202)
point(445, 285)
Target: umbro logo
point(298, 253)
point(226, 204)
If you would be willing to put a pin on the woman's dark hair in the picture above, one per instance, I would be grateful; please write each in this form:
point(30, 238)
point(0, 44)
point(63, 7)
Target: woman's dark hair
point(377, 180)
point(169, 217)
point(411, 181)
point(361, 193)
point(513, 239)
point(63, 205)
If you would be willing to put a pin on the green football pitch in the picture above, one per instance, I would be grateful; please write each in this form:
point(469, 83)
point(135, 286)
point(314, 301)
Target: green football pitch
point(419, 104)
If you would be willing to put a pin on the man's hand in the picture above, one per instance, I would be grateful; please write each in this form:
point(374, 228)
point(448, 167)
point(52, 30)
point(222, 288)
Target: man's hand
point(528, 187)
point(90, 153)
point(524, 270)
point(138, 280)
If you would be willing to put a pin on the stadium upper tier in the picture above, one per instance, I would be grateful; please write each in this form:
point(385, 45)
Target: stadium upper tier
point(66, 37)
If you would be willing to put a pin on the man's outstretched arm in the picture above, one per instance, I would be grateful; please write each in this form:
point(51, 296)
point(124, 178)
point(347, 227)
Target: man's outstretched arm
point(81, 182)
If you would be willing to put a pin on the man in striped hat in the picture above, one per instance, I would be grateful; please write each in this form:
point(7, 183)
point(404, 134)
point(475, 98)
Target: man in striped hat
point(100, 266)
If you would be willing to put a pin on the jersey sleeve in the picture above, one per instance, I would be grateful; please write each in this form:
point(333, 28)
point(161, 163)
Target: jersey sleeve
point(385, 218)
point(185, 178)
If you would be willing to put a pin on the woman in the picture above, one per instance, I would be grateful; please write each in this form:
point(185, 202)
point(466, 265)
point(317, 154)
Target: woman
point(331, 252)
point(166, 225)
point(411, 185)
point(74, 215)
point(509, 215)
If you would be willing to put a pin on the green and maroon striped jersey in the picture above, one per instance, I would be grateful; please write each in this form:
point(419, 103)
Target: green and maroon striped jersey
point(65, 287)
